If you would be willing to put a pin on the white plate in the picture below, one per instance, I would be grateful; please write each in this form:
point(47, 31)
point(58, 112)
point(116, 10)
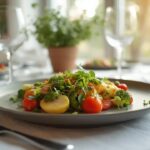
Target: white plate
point(139, 90)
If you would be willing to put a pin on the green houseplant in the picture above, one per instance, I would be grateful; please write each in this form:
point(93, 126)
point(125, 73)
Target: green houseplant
point(61, 36)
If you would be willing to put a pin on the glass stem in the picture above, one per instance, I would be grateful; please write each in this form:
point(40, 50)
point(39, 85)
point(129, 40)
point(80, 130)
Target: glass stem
point(10, 76)
point(119, 61)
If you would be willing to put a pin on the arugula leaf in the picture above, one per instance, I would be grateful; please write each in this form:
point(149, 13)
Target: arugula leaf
point(21, 93)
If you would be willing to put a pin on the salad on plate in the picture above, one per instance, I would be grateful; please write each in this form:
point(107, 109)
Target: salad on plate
point(103, 64)
point(78, 92)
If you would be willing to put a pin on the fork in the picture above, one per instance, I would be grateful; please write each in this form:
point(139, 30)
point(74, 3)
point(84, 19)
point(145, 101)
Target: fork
point(37, 142)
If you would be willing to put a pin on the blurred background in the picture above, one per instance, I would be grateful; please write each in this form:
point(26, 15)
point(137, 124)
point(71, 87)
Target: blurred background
point(31, 51)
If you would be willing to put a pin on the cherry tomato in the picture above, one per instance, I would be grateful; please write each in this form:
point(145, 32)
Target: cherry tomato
point(92, 105)
point(122, 86)
point(29, 103)
point(2, 66)
point(107, 104)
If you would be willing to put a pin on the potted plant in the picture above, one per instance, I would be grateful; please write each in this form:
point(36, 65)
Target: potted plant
point(61, 36)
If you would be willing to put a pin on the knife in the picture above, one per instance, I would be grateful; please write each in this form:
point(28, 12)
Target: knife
point(42, 144)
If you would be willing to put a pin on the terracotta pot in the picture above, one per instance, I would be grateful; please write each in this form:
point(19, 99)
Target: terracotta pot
point(63, 59)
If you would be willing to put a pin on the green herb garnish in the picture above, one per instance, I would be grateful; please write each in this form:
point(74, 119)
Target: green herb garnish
point(18, 97)
point(146, 102)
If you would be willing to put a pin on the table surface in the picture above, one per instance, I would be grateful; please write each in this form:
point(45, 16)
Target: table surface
point(134, 134)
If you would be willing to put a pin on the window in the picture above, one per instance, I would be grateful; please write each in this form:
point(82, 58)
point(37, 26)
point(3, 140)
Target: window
point(97, 47)
point(142, 44)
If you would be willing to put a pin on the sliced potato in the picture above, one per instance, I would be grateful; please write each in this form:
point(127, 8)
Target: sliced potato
point(57, 106)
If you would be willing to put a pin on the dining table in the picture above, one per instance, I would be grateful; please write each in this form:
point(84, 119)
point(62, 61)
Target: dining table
point(127, 135)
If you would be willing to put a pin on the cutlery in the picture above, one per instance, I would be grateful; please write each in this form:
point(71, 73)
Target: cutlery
point(41, 144)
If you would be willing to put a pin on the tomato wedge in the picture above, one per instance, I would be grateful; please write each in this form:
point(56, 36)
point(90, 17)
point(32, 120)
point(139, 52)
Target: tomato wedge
point(122, 86)
point(107, 104)
point(92, 105)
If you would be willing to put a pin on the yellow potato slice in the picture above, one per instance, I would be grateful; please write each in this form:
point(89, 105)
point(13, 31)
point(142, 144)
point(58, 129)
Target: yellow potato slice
point(27, 86)
point(109, 89)
point(57, 106)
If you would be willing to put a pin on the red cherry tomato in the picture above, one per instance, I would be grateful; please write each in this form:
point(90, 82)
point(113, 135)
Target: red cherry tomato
point(92, 105)
point(29, 103)
point(122, 86)
point(2, 66)
point(107, 104)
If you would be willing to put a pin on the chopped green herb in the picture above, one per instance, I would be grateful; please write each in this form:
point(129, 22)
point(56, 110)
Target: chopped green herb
point(146, 102)
point(18, 97)
point(51, 96)
point(21, 93)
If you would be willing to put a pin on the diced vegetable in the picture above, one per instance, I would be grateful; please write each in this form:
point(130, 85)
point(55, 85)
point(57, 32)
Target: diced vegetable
point(122, 99)
point(106, 104)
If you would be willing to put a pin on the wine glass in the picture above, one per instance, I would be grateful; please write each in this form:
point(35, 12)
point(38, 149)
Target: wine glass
point(12, 32)
point(120, 29)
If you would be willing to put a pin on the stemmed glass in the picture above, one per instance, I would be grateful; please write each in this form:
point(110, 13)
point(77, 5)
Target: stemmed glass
point(12, 32)
point(120, 29)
